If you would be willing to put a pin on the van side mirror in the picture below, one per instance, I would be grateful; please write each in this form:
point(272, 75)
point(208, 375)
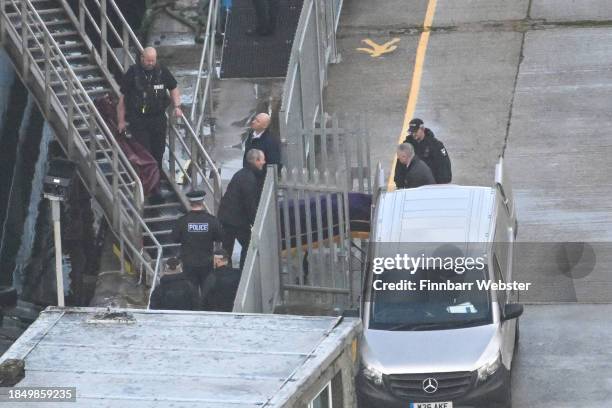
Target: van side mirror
point(351, 313)
point(512, 311)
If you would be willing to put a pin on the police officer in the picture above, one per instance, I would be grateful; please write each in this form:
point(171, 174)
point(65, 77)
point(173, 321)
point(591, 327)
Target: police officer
point(429, 149)
point(416, 173)
point(144, 100)
point(197, 231)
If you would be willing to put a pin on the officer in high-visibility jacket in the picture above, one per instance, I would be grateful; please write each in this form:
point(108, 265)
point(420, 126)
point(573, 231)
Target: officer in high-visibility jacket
point(197, 231)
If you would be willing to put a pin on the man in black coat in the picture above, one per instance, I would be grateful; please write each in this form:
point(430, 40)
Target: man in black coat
point(238, 205)
point(260, 138)
point(175, 290)
point(416, 173)
point(428, 149)
point(197, 231)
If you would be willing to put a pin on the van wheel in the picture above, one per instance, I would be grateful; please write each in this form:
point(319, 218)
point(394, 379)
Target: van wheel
point(517, 334)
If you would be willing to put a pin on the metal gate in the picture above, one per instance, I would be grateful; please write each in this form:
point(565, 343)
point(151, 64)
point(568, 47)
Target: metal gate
point(303, 257)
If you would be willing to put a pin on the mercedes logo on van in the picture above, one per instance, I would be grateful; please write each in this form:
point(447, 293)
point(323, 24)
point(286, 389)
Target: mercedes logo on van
point(430, 385)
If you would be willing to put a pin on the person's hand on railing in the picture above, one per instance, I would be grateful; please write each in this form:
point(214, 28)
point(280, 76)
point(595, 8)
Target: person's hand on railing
point(178, 112)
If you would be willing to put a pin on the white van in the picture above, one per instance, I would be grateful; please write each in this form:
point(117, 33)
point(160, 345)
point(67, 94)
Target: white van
point(434, 338)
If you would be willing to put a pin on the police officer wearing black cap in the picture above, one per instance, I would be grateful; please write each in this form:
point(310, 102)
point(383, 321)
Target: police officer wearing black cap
point(197, 231)
point(428, 149)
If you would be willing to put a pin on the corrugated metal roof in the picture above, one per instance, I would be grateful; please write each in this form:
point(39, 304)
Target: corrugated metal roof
point(174, 359)
point(439, 213)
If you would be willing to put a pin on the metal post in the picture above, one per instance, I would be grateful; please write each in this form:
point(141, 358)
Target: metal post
point(103, 34)
point(57, 239)
point(82, 15)
point(24, 40)
point(2, 28)
point(72, 133)
point(48, 88)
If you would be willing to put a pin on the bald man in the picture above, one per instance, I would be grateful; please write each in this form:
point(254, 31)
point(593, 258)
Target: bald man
point(144, 100)
point(260, 138)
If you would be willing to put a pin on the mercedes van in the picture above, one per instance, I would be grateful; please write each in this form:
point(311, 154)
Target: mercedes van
point(437, 333)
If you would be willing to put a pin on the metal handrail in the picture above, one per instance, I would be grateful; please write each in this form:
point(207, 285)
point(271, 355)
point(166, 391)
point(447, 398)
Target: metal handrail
point(215, 188)
point(128, 41)
point(66, 68)
point(68, 79)
point(207, 55)
point(136, 216)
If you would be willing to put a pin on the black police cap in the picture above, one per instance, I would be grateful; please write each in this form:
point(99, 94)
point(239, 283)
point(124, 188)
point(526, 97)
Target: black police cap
point(195, 196)
point(414, 125)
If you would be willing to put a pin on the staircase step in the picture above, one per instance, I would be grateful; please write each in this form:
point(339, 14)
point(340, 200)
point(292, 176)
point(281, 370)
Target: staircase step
point(93, 93)
point(49, 24)
point(44, 13)
point(84, 81)
point(160, 232)
point(162, 219)
point(163, 206)
point(61, 34)
point(76, 45)
point(69, 57)
point(81, 68)
point(164, 246)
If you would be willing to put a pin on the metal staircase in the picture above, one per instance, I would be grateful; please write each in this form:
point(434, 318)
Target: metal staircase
point(68, 55)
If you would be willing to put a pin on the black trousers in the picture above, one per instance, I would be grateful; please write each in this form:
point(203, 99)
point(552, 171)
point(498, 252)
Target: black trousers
point(197, 275)
point(266, 12)
point(230, 235)
point(150, 131)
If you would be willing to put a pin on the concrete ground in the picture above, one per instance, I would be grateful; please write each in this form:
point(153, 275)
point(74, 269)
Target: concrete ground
point(563, 365)
point(529, 79)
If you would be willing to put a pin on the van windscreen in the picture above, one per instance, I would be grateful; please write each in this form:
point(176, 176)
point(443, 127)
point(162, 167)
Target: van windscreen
point(429, 299)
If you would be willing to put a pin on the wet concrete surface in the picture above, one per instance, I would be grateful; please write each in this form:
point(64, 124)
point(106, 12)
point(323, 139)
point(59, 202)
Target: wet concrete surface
point(563, 365)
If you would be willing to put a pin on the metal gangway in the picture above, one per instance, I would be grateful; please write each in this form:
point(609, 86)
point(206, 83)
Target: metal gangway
point(69, 54)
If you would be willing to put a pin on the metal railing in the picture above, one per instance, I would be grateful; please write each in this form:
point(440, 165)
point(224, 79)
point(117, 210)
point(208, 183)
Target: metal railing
point(314, 48)
point(188, 136)
point(202, 97)
point(259, 285)
point(122, 196)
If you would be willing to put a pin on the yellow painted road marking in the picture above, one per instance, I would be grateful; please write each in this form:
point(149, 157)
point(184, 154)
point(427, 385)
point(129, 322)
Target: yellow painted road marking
point(415, 85)
point(377, 50)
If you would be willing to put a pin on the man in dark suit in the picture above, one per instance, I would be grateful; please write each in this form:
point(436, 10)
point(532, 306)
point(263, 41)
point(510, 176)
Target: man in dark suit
point(416, 173)
point(266, 12)
point(260, 138)
point(238, 206)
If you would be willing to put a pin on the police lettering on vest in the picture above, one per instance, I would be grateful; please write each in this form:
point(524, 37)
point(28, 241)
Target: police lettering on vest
point(197, 227)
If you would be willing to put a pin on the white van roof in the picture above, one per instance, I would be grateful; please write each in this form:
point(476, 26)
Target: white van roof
point(161, 358)
point(436, 213)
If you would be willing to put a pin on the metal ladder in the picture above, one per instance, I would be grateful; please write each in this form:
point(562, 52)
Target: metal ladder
point(69, 55)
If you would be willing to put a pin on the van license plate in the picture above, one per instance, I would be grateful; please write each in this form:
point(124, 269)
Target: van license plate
point(447, 404)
